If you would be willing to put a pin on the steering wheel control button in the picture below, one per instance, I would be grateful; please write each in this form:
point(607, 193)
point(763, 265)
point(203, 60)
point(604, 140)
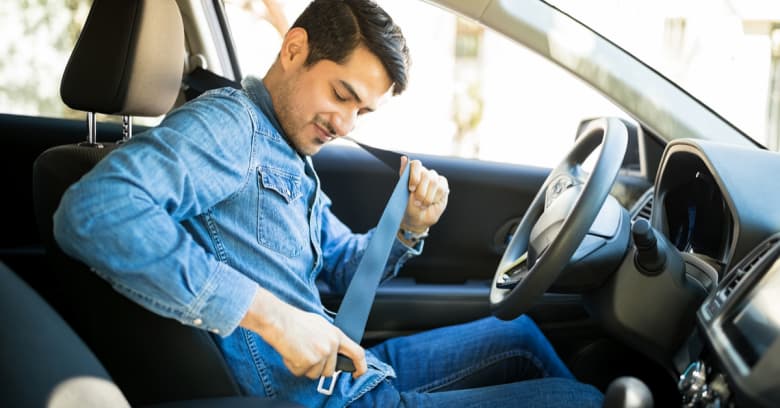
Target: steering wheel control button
point(514, 273)
point(557, 187)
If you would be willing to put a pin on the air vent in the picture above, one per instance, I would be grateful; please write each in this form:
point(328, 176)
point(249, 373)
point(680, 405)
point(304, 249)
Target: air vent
point(733, 284)
point(748, 264)
point(646, 209)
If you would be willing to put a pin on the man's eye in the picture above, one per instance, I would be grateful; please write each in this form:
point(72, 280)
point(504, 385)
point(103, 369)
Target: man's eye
point(336, 94)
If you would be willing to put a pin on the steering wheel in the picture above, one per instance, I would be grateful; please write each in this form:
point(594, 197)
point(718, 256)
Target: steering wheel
point(558, 219)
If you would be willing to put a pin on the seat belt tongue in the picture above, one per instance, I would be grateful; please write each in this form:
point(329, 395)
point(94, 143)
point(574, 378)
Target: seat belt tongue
point(343, 364)
point(328, 391)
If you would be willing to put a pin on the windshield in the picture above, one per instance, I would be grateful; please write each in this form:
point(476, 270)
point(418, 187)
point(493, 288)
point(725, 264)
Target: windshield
point(726, 53)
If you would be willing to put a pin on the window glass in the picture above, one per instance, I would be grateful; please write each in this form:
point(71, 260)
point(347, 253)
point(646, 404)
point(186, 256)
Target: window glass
point(472, 93)
point(36, 39)
point(725, 53)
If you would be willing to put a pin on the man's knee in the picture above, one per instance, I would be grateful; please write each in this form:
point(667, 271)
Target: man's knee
point(523, 331)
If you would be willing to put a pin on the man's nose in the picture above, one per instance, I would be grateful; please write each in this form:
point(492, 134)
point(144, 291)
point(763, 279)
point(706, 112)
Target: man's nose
point(345, 122)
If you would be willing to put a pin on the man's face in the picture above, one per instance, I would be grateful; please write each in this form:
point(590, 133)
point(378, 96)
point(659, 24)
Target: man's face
point(321, 102)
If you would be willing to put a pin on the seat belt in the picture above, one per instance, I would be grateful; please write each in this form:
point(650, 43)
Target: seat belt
point(356, 304)
point(201, 80)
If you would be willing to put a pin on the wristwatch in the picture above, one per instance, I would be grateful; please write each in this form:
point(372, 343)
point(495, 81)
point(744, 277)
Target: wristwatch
point(413, 237)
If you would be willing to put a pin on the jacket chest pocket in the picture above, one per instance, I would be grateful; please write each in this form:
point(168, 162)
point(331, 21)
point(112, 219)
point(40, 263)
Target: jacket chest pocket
point(281, 212)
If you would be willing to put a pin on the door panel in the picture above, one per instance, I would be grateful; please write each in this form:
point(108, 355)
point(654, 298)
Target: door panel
point(484, 197)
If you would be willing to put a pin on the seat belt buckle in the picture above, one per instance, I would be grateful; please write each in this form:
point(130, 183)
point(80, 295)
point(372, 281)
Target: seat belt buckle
point(321, 386)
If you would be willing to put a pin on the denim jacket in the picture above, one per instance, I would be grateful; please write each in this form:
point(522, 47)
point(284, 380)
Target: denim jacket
point(189, 217)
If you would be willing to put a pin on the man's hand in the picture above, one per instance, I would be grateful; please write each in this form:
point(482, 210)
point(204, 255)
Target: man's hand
point(309, 344)
point(428, 194)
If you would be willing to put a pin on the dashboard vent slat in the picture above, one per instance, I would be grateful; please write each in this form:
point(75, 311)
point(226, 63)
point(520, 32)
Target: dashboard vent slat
point(748, 265)
point(646, 211)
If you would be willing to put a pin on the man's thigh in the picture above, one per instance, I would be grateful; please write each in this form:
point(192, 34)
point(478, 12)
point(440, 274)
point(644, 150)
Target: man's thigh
point(550, 392)
point(485, 352)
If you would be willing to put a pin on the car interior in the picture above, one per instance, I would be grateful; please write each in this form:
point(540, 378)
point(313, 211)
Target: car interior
point(654, 274)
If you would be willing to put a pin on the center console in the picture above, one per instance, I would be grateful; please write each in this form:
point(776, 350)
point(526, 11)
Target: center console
point(740, 323)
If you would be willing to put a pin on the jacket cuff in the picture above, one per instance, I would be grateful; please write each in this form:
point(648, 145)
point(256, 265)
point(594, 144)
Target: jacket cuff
point(224, 301)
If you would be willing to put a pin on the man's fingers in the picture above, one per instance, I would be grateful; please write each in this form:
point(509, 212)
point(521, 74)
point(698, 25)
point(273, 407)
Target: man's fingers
point(316, 371)
point(295, 369)
point(433, 188)
point(423, 188)
point(442, 192)
point(415, 171)
point(330, 365)
point(354, 352)
point(404, 160)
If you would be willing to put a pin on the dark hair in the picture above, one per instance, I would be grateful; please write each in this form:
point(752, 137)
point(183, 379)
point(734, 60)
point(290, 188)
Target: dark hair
point(336, 27)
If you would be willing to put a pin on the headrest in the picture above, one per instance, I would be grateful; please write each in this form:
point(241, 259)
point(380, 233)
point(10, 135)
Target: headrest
point(128, 59)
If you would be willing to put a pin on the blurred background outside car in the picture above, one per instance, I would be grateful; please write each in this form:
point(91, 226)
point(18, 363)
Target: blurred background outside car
point(472, 92)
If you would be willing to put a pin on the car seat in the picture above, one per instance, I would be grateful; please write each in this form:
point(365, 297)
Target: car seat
point(128, 61)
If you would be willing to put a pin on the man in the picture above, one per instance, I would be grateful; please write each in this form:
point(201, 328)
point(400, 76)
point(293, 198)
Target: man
point(216, 218)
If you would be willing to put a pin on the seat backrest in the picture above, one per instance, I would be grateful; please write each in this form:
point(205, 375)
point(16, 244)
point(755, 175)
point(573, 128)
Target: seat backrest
point(43, 362)
point(128, 60)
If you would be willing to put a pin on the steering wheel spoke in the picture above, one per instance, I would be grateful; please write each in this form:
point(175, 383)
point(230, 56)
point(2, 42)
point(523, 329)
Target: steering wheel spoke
point(513, 273)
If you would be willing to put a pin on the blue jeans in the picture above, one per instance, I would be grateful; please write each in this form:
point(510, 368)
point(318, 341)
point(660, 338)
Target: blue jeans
point(487, 363)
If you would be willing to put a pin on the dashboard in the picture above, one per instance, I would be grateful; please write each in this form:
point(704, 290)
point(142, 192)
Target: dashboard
point(719, 203)
point(740, 322)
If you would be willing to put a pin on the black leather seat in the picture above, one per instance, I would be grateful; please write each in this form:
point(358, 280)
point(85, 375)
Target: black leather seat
point(38, 351)
point(43, 363)
point(128, 61)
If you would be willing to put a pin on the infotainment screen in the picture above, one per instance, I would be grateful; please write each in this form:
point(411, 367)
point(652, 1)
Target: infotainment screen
point(755, 323)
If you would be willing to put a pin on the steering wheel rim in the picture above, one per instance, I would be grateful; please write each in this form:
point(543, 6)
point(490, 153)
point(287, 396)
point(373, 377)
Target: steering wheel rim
point(533, 277)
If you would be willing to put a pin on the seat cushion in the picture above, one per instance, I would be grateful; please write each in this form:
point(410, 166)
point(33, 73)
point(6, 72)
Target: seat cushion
point(38, 351)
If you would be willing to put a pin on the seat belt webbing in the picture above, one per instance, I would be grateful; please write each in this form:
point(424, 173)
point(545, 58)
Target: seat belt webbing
point(356, 304)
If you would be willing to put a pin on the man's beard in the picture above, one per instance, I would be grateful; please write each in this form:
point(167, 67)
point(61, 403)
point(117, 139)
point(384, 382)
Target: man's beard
point(286, 113)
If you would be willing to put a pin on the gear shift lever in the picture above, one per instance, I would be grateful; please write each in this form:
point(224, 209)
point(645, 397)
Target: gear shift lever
point(628, 392)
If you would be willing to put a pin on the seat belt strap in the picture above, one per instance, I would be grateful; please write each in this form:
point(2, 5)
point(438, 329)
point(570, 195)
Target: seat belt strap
point(356, 304)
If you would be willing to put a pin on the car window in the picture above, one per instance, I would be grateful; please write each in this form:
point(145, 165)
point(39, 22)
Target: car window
point(725, 53)
point(472, 93)
point(36, 39)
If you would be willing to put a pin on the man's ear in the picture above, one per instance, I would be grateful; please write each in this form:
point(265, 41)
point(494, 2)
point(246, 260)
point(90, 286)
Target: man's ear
point(295, 48)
